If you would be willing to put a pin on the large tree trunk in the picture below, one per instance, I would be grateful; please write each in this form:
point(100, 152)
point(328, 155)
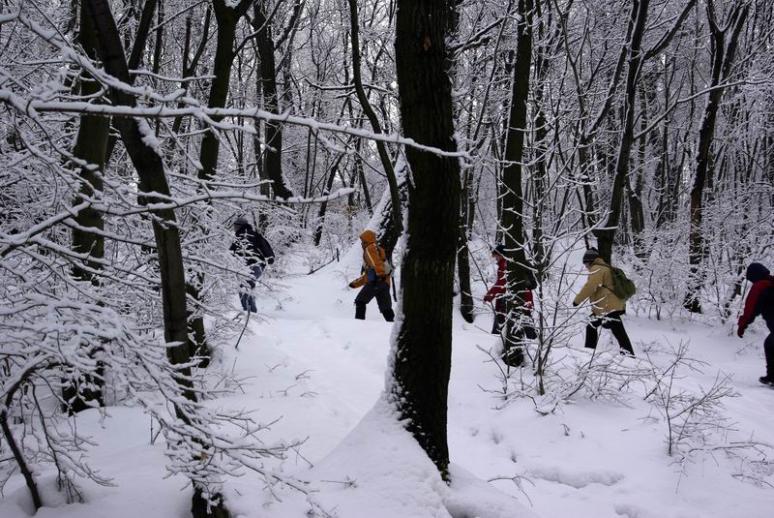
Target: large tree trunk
point(606, 236)
point(153, 180)
point(513, 203)
point(227, 17)
point(90, 146)
point(722, 59)
point(381, 147)
point(467, 208)
point(271, 156)
point(423, 340)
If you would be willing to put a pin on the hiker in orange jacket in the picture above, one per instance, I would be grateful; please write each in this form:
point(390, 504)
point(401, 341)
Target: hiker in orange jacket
point(375, 279)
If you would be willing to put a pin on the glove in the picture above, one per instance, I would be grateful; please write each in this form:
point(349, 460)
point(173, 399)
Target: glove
point(740, 332)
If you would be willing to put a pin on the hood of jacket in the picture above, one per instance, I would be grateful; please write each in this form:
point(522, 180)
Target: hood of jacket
point(756, 272)
point(368, 237)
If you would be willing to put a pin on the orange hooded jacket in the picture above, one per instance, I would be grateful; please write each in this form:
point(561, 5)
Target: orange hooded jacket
point(373, 259)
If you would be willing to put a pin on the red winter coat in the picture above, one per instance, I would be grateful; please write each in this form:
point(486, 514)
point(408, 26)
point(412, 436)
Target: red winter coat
point(753, 306)
point(498, 288)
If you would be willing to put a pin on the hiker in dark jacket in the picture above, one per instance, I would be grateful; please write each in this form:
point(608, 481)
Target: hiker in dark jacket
point(251, 246)
point(606, 307)
point(760, 301)
point(375, 279)
point(497, 291)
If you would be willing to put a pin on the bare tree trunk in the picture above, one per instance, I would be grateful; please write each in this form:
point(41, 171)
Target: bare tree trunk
point(324, 205)
point(606, 236)
point(227, 16)
point(153, 180)
point(423, 341)
point(90, 146)
point(722, 59)
point(18, 456)
point(271, 157)
point(517, 276)
point(467, 207)
point(381, 147)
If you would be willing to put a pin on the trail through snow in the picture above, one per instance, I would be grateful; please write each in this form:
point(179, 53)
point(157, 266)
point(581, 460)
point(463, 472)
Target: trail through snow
point(309, 364)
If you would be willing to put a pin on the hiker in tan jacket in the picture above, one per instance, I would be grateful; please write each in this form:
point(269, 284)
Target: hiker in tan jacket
point(606, 306)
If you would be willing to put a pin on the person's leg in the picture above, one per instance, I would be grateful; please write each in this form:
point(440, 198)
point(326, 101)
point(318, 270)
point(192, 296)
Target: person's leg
point(768, 349)
point(384, 301)
point(243, 298)
point(499, 316)
point(592, 335)
point(615, 324)
point(363, 298)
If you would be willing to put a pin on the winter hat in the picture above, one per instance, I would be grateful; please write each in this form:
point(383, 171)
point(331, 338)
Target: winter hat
point(756, 272)
point(368, 236)
point(590, 255)
point(241, 222)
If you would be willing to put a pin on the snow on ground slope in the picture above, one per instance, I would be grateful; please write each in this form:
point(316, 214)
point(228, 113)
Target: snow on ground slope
point(320, 374)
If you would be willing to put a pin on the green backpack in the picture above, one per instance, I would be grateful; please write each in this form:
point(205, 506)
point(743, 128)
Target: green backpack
point(623, 287)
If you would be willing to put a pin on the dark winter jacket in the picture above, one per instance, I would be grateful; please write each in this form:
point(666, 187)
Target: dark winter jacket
point(252, 247)
point(760, 300)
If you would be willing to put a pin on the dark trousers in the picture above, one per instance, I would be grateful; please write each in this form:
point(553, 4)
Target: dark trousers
point(512, 354)
point(613, 322)
point(246, 297)
point(525, 330)
point(380, 290)
point(499, 316)
point(768, 349)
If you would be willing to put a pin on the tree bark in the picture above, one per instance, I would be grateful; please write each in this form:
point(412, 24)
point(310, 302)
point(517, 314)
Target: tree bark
point(423, 341)
point(467, 305)
point(153, 180)
point(227, 17)
point(606, 235)
point(381, 147)
point(517, 274)
point(722, 58)
point(90, 146)
point(271, 157)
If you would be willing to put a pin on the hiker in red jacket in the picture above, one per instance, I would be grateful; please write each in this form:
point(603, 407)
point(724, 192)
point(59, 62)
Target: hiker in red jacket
point(497, 291)
point(760, 301)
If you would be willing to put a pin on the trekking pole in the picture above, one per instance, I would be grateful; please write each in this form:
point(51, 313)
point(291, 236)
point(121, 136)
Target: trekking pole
point(243, 331)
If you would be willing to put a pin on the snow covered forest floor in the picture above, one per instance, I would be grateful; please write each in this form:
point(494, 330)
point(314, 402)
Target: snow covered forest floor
point(315, 375)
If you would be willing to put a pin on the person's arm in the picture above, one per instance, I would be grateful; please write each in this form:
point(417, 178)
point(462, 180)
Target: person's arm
point(587, 291)
point(749, 306)
point(526, 296)
point(359, 281)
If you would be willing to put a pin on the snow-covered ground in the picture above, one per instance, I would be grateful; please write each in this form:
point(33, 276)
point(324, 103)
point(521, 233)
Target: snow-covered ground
point(308, 365)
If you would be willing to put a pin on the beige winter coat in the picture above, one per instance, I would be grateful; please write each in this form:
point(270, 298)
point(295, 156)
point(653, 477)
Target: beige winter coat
point(599, 290)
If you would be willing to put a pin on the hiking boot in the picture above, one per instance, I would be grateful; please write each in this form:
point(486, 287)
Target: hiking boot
point(767, 380)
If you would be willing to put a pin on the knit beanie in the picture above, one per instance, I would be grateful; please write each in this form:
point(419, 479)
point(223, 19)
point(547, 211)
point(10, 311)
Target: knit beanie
point(590, 255)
